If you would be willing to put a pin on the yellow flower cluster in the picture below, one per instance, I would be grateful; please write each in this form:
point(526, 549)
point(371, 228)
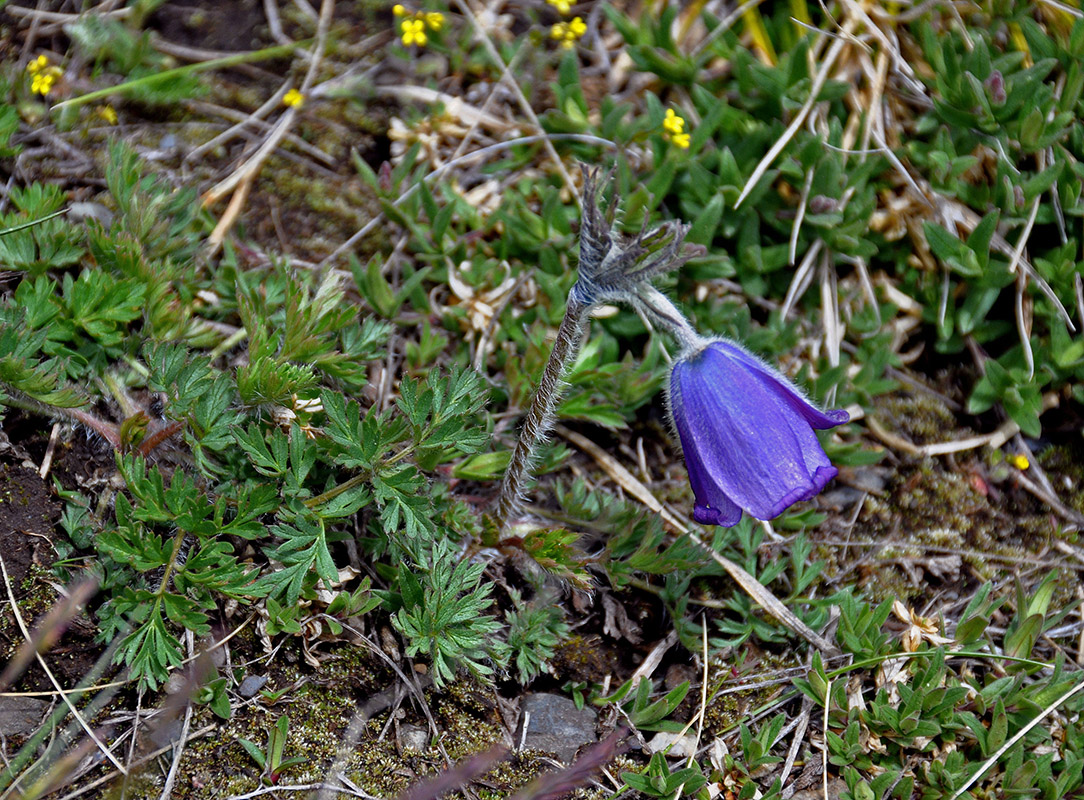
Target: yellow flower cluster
point(1019, 461)
point(293, 98)
point(564, 7)
point(567, 33)
point(413, 27)
point(42, 75)
point(674, 129)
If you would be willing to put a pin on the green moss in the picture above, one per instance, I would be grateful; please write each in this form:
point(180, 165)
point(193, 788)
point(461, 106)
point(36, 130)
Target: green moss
point(320, 712)
point(923, 418)
point(727, 711)
point(938, 510)
point(581, 658)
point(1064, 465)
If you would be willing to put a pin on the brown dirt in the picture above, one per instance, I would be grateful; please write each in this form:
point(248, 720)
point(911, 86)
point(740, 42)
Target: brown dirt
point(29, 537)
point(28, 513)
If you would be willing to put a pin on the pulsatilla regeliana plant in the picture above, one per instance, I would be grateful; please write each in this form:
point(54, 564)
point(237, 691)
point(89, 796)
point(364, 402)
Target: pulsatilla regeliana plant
point(747, 432)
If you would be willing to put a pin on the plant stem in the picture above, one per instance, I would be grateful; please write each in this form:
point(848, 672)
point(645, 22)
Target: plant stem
point(661, 311)
point(539, 417)
point(335, 491)
point(248, 57)
point(107, 430)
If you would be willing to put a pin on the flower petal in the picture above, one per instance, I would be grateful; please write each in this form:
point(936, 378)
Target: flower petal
point(782, 386)
point(712, 507)
point(747, 434)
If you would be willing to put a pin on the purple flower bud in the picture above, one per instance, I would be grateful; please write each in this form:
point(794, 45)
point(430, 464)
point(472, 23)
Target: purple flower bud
point(747, 434)
point(995, 88)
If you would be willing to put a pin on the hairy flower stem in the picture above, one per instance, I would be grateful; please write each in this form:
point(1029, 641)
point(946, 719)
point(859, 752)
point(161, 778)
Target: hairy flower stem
point(661, 311)
point(539, 418)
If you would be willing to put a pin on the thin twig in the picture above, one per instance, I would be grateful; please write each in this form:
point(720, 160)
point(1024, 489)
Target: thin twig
point(52, 678)
point(436, 174)
point(171, 777)
point(110, 777)
point(799, 119)
point(524, 104)
point(1011, 741)
point(247, 171)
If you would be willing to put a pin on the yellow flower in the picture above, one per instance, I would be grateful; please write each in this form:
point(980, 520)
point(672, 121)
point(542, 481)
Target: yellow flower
point(1020, 461)
point(42, 82)
point(564, 7)
point(417, 21)
point(414, 32)
point(37, 65)
point(293, 98)
point(568, 32)
point(673, 123)
point(108, 113)
point(43, 76)
point(673, 128)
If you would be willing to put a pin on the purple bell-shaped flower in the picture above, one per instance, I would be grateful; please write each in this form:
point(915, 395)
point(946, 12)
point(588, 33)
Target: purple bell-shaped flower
point(747, 434)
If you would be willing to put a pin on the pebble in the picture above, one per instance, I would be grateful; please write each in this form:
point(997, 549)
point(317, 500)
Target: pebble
point(555, 725)
point(251, 684)
point(683, 746)
point(21, 715)
point(413, 737)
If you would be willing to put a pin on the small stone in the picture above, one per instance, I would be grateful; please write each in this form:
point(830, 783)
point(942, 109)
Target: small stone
point(21, 715)
point(413, 737)
point(555, 725)
point(682, 746)
point(836, 788)
point(251, 684)
point(82, 211)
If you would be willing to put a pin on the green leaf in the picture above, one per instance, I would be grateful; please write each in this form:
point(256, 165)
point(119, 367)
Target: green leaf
point(150, 651)
point(707, 222)
point(483, 466)
point(255, 446)
point(303, 553)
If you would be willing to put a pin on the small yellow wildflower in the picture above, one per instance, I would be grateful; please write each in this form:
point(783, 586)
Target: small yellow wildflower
point(293, 98)
point(1020, 461)
point(43, 76)
point(42, 82)
point(673, 123)
point(568, 32)
point(673, 128)
point(564, 7)
point(108, 113)
point(415, 23)
point(414, 32)
point(38, 64)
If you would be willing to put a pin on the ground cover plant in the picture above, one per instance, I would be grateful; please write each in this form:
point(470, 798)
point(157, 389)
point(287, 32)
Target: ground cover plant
point(278, 286)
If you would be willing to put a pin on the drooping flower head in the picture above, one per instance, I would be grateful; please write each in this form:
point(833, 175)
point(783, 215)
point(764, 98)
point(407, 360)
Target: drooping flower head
point(747, 434)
